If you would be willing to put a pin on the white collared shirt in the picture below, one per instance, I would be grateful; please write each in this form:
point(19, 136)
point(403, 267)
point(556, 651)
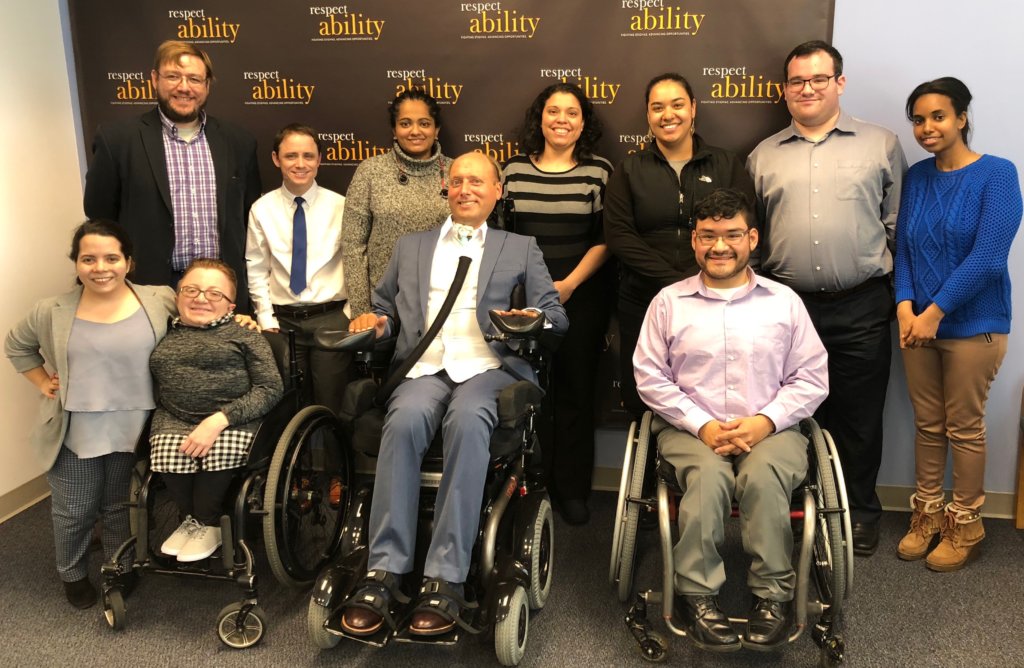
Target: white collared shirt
point(459, 348)
point(268, 251)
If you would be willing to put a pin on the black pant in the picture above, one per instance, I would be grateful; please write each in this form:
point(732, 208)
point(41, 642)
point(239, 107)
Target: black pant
point(325, 373)
point(631, 317)
point(856, 332)
point(201, 494)
point(567, 430)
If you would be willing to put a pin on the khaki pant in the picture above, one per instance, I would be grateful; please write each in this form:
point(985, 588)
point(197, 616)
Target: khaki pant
point(762, 482)
point(948, 381)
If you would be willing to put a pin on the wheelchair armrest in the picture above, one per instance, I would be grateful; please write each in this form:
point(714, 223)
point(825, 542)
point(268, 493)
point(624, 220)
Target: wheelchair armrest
point(514, 400)
point(519, 326)
point(344, 340)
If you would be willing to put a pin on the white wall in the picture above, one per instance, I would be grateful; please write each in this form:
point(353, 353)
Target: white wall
point(40, 199)
point(889, 48)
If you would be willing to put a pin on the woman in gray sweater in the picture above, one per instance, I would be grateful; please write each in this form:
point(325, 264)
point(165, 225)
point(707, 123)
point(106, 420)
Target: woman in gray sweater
point(398, 192)
point(214, 381)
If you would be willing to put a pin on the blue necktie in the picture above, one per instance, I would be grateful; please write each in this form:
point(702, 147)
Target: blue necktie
point(297, 281)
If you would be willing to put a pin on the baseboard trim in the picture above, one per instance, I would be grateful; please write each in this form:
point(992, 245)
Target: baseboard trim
point(998, 505)
point(25, 496)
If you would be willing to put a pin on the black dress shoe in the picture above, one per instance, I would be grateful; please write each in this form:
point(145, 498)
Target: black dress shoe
point(706, 624)
point(80, 593)
point(574, 511)
point(865, 538)
point(768, 626)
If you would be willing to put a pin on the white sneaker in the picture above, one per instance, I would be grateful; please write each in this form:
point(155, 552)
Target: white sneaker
point(181, 535)
point(201, 545)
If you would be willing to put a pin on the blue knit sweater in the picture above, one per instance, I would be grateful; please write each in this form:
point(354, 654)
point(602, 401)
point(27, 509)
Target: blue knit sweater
point(952, 240)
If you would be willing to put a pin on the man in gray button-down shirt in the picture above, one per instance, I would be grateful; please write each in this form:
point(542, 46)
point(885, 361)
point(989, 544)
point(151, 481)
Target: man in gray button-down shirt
point(828, 190)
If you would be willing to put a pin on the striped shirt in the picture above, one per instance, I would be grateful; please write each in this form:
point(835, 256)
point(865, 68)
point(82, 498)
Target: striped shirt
point(561, 210)
point(193, 194)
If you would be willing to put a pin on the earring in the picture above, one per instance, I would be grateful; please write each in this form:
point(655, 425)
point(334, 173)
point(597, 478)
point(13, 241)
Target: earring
point(693, 128)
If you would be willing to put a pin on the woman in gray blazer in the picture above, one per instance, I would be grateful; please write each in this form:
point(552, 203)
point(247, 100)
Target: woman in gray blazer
point(87, 352)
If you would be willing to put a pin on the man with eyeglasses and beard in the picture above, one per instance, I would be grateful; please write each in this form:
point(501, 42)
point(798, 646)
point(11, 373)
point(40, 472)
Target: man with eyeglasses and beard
point(178, 180)
point(828, 192)
point(730, 363)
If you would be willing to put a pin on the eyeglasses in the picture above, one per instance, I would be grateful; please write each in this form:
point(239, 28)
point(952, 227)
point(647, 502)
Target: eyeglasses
point(174, 78)
point(818, 82)
point(211, 294)
point(732, 238)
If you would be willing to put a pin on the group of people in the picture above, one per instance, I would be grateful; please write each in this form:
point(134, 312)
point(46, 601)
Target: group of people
point(749, 296)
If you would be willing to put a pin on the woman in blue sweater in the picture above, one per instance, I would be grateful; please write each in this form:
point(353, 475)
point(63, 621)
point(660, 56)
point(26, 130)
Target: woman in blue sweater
point(958, 215)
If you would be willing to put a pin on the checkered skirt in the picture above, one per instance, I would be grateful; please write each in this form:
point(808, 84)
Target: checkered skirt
point(229, 451)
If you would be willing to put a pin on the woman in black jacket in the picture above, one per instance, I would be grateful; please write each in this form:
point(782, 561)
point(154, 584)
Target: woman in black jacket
point(648, 214)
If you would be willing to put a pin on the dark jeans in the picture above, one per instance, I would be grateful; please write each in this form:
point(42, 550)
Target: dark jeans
point(856, 332)
point(325, 373)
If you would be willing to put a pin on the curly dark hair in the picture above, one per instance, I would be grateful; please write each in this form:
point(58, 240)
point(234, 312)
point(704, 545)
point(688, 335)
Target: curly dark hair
point(723, 203)
point(531, 137)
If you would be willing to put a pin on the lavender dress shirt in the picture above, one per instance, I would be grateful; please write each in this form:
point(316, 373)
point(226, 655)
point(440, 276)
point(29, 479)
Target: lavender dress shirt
point(701, 357)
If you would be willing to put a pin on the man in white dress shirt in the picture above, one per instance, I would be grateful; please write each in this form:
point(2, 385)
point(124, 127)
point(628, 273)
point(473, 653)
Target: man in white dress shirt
point(293, 257)
point(454, 386)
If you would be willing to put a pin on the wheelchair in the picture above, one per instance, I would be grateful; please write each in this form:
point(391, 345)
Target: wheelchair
point(823, 543)
point(512, 560)
point(283, 494)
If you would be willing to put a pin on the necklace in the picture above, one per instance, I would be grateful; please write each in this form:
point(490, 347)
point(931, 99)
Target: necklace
point(403, 177)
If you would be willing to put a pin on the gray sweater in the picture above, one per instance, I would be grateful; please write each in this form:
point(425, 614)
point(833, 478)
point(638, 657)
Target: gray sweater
point(379, 209)
point(198, 372)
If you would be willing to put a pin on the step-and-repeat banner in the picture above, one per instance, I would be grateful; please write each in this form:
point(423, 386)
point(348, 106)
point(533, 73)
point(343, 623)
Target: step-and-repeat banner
point(335, 66)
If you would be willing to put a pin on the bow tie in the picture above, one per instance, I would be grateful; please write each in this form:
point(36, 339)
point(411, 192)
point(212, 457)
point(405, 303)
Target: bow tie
point(463, 233)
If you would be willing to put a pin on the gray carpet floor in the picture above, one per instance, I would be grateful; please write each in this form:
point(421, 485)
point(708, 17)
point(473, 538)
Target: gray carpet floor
point(899, 614)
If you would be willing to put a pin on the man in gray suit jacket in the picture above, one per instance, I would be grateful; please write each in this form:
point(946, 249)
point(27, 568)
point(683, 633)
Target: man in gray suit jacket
point(179, 181)
point(454, 386)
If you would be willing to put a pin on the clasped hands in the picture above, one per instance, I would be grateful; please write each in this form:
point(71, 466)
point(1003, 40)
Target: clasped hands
point(735, 437)
point(916, 330)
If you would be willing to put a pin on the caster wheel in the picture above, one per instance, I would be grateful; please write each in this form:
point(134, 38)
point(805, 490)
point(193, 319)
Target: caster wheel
point(241, 625)
point(654, 648)
point(510, 633)
point(315, 618)
point(114, 610)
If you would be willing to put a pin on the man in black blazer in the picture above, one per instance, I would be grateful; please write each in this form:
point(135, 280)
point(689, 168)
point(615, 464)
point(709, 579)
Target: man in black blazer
point(179, 181)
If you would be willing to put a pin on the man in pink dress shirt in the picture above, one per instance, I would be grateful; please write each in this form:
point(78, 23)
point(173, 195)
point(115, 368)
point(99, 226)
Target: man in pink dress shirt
point(730, 363)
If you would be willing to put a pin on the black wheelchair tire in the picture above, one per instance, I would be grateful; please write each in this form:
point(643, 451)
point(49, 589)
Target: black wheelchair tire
point(114, 610)
point(283, 471)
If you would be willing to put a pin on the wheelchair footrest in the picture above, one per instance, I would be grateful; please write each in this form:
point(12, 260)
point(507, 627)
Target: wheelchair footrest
point(378, 639)
point(450, 638)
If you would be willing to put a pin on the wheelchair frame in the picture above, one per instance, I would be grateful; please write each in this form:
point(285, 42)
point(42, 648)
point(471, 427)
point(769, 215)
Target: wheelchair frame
point(285, 484)
point(825, 543)
point(512, 559)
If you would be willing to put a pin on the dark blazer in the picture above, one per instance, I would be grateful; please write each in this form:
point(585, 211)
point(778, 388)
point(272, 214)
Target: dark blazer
point(508, 259)
point(127, 182)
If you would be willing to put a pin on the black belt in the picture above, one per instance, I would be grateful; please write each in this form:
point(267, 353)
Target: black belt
point(303, 311)
point(823, 296)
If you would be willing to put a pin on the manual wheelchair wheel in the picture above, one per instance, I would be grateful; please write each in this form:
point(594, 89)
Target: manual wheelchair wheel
point(241, 625)
point(624, 557)
point(510, 633)
point(829, 549)
point(306, 497)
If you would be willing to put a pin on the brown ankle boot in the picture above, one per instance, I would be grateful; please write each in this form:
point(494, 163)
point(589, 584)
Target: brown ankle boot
point(961, 533)
point(925, 526)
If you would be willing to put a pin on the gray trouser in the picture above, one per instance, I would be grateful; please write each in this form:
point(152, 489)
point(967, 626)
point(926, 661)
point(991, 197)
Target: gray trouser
point(81, 491)
point(762, 481)
point(467, 414)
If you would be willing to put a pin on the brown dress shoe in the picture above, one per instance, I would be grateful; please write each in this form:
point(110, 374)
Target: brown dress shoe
point(428, 623)
point(439, 608)
point(361, 621)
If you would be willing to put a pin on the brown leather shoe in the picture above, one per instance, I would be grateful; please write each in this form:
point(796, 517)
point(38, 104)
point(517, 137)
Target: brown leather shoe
point(361, 621)
point(428, 623)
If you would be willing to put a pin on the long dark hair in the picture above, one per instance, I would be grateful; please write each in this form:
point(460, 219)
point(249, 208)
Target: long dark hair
point(531, 137)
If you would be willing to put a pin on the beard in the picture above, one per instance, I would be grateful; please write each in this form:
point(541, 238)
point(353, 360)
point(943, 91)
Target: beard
point(174, 116)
